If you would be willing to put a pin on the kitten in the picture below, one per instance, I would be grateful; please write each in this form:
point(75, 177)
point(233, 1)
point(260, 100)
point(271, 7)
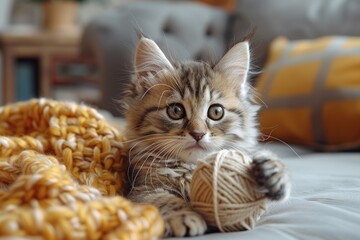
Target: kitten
point(180, 113)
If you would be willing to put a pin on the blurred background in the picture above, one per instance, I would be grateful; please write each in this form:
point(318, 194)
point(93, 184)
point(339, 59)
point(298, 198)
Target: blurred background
point(82, 50)
point(41, 48)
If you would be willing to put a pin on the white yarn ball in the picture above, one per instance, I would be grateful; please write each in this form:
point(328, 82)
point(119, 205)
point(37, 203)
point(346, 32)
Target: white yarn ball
point(224, 192)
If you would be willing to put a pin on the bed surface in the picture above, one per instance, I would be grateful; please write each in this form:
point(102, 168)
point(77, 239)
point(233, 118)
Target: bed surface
point(324, 203)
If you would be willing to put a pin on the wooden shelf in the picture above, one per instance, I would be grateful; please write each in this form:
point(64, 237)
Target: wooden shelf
point(48, 50)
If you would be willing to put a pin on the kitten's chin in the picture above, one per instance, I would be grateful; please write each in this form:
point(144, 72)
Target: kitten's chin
point(193, 154)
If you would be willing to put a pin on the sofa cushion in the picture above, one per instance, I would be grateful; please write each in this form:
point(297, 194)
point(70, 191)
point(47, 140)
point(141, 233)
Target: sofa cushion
point(311, 91)
point(295, 20)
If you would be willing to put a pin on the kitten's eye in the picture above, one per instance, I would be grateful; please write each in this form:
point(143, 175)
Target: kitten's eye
point(216, 112)
point(176, 111)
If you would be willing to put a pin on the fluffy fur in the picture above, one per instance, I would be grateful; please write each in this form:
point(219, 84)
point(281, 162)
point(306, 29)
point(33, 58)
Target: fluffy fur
point(179, 113)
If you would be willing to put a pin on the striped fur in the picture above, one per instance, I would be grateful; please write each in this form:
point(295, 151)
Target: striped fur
point(163, 152)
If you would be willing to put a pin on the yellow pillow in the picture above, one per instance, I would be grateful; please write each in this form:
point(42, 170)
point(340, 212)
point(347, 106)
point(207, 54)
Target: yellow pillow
point(311, 91)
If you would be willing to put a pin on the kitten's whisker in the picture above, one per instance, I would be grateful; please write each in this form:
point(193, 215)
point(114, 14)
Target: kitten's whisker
point(165, 186)
point(162, 94)
point(155, 146)
point(142, 137)
point(165, 159)
point(156, 85)
point(168, 157)
point(134, 167)
point(175, 81)
point(265, 137)
point(149, 137)
point(157, 156)
point(232, 144)
point(259, 98)
point(167, 146)
point(133, 147)
point(147, 146)
point(286, 144)
point(147, 172)
point(168, 99)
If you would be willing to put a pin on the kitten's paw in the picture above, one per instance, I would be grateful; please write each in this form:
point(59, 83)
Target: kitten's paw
point(271, 175)
point(188, 223)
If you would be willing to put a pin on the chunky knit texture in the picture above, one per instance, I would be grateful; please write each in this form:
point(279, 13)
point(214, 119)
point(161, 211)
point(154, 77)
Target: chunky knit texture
point(62, 172)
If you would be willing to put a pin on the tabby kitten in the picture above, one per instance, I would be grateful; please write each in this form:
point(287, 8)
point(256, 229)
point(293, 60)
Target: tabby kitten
point(178, 114)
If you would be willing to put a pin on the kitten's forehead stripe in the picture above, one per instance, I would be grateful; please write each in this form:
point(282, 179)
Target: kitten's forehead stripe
point(195, 77)
point(187, 79)
point(204, 87)
point(211, 93)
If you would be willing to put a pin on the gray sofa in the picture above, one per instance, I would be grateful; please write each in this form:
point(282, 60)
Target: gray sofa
point(186, 30)
point(182, 30)
point(325, 199)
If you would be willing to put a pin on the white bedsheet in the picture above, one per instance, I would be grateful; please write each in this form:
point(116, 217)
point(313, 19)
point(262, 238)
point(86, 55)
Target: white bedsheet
point(324, 203)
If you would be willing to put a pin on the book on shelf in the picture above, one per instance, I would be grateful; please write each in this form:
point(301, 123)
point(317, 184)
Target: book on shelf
point(26, 77)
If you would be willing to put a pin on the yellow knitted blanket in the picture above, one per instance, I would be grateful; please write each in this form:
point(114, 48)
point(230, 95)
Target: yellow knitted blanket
point(62, 172)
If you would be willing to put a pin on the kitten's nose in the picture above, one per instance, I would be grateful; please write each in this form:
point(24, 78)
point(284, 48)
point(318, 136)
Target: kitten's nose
point(197, 135)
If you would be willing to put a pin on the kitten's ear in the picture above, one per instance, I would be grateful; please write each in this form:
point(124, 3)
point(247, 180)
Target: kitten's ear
point(236, 62)
point(149, 59)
